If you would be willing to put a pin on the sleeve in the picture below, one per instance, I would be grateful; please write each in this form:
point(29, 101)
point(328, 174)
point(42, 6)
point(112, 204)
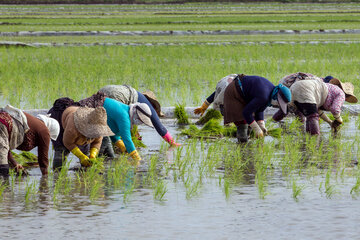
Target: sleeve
point(338, 101)
point(96, 143)
point(259, 116)
point(11, 160)
point(124, 126)
point(211, 98)
point(115, 138)
point(43, 151)
point(253, 107)
point(69, 139)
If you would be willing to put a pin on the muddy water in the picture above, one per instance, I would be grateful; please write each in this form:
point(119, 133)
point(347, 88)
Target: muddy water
point(209, 215)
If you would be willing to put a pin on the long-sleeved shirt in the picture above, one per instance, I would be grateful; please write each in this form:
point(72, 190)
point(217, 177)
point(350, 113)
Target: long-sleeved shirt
point(37, 136)
point(217, 97)
point(257, 92)
point(72, 137)
point(334, 100)
point(289, 80)
point(118, 119)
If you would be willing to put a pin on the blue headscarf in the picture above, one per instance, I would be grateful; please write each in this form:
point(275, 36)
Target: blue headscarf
point(284, 90)
point(328, 78)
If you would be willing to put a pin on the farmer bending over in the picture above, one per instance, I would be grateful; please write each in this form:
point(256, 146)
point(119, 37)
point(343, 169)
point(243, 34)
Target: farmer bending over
point(245, 100)
point(22, 131)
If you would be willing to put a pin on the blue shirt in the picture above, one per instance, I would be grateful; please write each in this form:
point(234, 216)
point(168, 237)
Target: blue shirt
point(257, 91)
point(118, 119)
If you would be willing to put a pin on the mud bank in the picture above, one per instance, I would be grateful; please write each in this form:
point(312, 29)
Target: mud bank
point(175, 33)
point(19, 44)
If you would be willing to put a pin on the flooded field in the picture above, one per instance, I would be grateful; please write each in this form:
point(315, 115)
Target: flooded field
point(201, 190)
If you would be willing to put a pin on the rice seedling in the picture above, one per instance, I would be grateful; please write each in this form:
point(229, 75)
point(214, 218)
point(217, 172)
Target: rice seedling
point(3, 186)
point(296, 190)
point(30, 190)
point(63, 183)
point(355, 190)
point(181, 116)
point(210, 114)
point(136, 137)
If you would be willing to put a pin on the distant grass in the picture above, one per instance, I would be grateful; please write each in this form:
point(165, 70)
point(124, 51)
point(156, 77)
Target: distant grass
point(35, 77)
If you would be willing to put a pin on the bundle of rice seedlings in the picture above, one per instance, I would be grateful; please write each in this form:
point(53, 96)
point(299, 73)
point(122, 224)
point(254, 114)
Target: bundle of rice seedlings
point(136, 137)
point(26, 159)
point(212, 127)
point(229, 131)
point(192, 131)
point(210, 114)
point(275, 132)
point(181, 115)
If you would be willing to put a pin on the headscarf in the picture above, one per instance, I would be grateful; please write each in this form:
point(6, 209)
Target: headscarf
point(51, 124)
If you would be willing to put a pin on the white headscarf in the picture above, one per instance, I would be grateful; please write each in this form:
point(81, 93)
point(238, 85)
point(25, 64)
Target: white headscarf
point(140, 113)
point(51, 124)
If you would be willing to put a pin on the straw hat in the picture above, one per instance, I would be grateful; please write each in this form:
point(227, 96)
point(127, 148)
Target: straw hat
point(154, 102)
point(348, 89)
point(91, 122)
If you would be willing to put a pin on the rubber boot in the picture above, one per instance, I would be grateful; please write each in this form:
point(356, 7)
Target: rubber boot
point(312, 124)
point(4, 171)
point(106, 148)
point(59, 157)
point(242, 133)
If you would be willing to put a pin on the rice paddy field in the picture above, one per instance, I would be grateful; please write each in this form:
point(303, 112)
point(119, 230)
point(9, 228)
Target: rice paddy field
point(288, 187)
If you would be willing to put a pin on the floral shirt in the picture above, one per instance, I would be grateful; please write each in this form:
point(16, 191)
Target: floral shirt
point(292, 78)
point(334, 100)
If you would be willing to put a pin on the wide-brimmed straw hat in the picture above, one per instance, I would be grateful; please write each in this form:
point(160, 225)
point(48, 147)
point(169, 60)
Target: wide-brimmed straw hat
point(143, 113)
point(154, 102)
point(92, 122)
point(348, 89)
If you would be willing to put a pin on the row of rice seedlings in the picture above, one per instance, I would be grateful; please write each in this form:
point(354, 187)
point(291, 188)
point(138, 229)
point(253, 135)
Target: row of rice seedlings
point(63, 183)
point(31, 189)
point(3, 186)
point(198, 69)
point(120, 175)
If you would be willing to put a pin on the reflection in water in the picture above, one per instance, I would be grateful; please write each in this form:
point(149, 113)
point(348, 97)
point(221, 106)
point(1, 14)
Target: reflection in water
point(243, 187)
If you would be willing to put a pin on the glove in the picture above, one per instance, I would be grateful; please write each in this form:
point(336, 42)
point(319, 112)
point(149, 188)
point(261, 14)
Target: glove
point(325, 117)
point(120, 144)
point(257, 130)
point(94, 152)
point(338, 118)
point(168, 138)
point(261, 124)
point(84, 160)
point(135, 155)
point(202, 109)
point(336, 124)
